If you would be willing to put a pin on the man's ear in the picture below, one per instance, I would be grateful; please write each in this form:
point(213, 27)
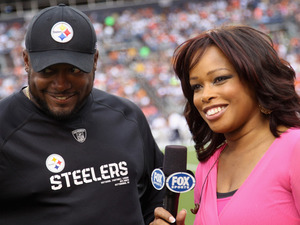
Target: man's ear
point(26, 60)
point(96, 60)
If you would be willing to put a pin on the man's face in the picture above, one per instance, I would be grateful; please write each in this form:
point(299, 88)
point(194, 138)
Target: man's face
point(61, 89)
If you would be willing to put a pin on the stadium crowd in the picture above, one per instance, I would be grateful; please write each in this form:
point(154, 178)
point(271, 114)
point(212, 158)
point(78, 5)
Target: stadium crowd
point(136, 47)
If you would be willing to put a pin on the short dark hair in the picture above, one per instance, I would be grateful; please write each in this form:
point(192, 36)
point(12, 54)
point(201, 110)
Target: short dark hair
point(258, 65)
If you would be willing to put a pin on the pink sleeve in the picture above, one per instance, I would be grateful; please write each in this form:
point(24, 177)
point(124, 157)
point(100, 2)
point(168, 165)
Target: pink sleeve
point(295, 175)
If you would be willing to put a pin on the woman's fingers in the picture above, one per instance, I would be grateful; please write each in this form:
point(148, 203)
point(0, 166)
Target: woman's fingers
point(163, 217)
point(180, 219)
point(161, 213)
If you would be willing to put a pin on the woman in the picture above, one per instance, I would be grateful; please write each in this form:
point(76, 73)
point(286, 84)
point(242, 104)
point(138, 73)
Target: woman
point(243, 113)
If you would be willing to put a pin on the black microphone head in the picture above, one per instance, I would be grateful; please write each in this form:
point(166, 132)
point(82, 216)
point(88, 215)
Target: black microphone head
point(175, 159)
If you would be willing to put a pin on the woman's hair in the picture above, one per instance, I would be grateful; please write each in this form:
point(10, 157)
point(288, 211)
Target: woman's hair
point(252, 55)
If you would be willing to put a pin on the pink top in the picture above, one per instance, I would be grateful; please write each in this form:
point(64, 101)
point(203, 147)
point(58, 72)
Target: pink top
point(221, 202)
point(269, 196)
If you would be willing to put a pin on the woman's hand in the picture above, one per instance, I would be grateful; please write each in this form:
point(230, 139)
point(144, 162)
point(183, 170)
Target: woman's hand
point(163, 217)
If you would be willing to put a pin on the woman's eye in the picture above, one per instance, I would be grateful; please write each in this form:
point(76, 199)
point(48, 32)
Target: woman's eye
point(196, 87)
point(221, 79)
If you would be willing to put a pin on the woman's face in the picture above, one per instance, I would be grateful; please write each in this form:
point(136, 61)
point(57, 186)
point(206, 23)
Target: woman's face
point(224, 102)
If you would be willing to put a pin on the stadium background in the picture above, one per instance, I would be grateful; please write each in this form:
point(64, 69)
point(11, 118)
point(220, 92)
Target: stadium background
point(136, 40)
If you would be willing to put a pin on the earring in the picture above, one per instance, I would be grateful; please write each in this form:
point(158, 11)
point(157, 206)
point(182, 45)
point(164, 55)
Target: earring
point(26, 69)
point(265, 111)
point(196, 209)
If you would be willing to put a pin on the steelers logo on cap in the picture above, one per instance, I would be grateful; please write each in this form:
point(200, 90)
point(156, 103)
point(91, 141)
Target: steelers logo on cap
point(62, 32)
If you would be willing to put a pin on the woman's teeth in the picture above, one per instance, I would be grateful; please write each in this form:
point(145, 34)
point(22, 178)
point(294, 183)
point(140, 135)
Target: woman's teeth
point(214, 111)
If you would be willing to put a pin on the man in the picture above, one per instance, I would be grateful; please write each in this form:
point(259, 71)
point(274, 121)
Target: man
point(71, 154)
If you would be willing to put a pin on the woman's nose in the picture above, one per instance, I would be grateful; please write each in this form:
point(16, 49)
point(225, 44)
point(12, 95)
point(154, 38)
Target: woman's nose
point(207, 94)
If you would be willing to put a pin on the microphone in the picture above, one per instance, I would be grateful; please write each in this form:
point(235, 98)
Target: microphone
point(174, 162)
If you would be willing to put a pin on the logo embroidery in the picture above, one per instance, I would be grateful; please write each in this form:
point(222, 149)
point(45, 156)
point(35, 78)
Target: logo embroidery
point(115, 173)
point(62, 32)
point(79, 135)
point(158, 179)
point(55, 163)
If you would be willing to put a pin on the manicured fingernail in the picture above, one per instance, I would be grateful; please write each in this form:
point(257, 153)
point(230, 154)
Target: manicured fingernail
point(172, 219)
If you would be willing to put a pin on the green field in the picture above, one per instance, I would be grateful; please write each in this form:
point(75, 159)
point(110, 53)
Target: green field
point(186, 201)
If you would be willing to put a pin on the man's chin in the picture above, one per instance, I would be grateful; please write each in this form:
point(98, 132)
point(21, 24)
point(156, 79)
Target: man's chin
point(60, 116)
point(57, 113)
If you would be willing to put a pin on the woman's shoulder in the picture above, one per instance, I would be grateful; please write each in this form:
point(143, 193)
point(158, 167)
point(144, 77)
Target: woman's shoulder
point(289, 141)
point(290, 133)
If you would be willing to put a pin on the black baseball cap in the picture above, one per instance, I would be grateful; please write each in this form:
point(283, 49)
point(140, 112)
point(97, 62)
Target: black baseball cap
point(61, 34)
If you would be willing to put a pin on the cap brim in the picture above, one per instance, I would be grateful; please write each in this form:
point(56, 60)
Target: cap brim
point(41, 60)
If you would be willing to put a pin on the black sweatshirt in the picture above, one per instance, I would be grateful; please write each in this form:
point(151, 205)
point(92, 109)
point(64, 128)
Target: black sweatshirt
point(92, 169)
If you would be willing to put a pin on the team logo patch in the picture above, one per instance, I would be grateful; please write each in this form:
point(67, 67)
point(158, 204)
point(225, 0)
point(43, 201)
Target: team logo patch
point(79, 135)
point(55, 163)
point(62, 32)
point(158, 179)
